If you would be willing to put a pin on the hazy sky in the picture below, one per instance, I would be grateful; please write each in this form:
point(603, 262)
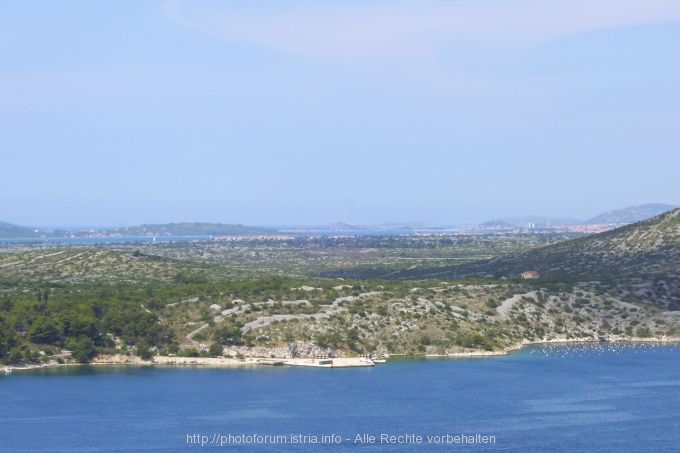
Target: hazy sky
point(308, 112)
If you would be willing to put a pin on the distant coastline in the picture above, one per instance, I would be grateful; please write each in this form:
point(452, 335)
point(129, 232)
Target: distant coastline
point(95, 240)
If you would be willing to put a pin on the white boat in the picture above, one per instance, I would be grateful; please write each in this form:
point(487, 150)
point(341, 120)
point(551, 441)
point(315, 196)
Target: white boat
point(379, 361)
point(8, 371)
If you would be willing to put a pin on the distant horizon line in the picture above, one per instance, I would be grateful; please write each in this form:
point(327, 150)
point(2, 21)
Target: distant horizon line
point(557, 220)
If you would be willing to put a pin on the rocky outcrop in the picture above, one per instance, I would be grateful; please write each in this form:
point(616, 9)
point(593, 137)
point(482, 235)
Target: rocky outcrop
point(296, 349)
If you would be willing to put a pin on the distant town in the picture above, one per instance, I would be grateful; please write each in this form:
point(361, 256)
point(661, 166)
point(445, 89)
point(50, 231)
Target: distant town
point(235, 232)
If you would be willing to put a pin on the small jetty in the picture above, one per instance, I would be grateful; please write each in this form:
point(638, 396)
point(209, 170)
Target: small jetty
point(273, 362)
point(328, 362)
point(325, 361)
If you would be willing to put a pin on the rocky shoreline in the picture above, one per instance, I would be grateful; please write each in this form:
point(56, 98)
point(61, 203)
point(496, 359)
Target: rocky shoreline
point(336, 362)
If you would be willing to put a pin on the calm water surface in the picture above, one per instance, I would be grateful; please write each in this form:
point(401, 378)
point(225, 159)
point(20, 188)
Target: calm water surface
point(608, 399)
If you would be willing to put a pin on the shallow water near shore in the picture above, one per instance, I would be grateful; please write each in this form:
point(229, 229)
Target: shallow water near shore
point(559, 398)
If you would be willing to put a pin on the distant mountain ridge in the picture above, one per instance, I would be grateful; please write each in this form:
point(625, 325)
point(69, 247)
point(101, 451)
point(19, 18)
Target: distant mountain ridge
point(496, 223)
point(615, 217)
point(622, 216)
point(631, 214)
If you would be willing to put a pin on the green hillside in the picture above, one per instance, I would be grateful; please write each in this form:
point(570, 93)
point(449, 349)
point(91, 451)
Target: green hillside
point(261, 298)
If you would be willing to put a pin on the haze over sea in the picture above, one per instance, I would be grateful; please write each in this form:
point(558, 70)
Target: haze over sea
point(606, 398)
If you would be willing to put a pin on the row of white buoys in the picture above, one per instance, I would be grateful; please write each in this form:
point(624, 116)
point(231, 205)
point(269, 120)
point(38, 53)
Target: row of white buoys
point(597, 348)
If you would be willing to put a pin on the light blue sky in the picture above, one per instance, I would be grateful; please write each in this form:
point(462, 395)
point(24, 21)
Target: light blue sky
point(309, 112)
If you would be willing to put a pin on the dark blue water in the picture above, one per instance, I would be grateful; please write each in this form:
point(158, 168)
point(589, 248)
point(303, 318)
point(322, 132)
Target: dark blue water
point(560, 399)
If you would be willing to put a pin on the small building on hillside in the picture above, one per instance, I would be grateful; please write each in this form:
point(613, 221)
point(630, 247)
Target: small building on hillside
point(531, 274)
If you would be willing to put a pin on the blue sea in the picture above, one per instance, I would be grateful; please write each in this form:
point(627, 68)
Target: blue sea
point(603, 398)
